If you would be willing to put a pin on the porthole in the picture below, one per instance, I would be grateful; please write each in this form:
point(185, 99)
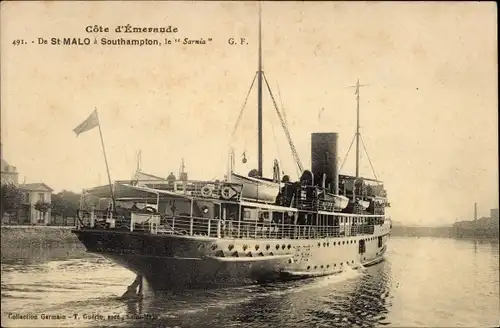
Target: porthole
point(321, 267)
point(343, 243)
point(308, 267)
point(328, 244)
point(327, 266)
point(277, 247)
point(315, 267)
point(257, 247)
point(319, 244)
point(283, 246)
point(230, 247)
point(334, 243)
point(289, 261)
point(214, 247)
point(324, 244)
point(334, 264)
point(268, 246)
point(245, 247)
point(341, 263)
point(289, 246)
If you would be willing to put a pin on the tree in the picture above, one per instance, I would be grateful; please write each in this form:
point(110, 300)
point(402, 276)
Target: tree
point(11, 198)
point(42, 207)
point(65, 204)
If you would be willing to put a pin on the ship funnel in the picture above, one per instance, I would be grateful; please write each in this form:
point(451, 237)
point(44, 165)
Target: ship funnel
point(324, 162)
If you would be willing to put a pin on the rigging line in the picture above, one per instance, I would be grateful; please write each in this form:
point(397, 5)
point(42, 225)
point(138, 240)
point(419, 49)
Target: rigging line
point(282, 107)
point(350, 146)
point(368, 156)
point(240, 115)
point(287, 133)
point(243, 107)
point(284, 117)
point(276, 142)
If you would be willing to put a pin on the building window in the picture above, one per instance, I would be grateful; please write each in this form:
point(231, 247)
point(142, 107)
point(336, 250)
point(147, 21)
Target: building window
point(41, 196)
point(27, 197)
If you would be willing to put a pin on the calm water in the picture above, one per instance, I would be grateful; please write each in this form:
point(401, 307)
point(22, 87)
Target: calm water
point(427, 282)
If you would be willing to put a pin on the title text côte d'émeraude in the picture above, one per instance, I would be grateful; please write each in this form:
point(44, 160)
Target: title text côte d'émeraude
point(131, 29)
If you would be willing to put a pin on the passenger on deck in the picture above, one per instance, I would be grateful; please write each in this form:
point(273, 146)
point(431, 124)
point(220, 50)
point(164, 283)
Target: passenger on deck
point(171, 178)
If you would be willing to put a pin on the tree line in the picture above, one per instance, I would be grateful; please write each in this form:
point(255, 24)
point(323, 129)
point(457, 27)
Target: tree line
point(63, 204)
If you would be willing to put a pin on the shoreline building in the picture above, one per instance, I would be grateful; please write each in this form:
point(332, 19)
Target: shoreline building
point(8, 172)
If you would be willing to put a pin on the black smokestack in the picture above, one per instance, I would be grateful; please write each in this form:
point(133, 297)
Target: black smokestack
point(324, 159)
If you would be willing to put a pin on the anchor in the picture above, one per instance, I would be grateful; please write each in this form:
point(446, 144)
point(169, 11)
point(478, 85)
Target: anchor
point(135, 290)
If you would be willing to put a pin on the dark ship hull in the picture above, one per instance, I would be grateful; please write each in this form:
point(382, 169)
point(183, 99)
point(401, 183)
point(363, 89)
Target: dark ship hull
point(170, 262)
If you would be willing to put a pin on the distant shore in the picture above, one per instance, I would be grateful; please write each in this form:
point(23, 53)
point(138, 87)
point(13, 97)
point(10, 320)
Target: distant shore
point(484, 228)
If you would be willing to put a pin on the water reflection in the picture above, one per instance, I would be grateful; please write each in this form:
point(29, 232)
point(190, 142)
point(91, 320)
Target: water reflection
point(350, 299)
point(41, 253)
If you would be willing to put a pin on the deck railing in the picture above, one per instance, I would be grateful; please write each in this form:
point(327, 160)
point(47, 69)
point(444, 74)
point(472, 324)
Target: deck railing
point(156, 223)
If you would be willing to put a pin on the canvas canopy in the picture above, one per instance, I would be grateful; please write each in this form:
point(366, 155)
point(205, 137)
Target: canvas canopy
point(130, 192)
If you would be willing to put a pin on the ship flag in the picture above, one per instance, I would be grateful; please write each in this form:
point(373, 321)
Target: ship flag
point(91, 122)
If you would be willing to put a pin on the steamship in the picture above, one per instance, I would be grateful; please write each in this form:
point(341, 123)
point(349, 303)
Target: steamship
point(246, 228)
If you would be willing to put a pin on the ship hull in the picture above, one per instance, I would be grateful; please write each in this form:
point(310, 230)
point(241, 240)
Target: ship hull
point(170, 262)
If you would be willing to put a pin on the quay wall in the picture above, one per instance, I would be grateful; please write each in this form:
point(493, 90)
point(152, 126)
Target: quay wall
point(25, 236)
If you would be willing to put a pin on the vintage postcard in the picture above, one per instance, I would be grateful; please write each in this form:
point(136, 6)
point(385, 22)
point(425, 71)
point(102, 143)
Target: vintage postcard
point(249, 164)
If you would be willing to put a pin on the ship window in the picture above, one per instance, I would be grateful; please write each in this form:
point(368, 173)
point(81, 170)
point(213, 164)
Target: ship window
point(247, 214)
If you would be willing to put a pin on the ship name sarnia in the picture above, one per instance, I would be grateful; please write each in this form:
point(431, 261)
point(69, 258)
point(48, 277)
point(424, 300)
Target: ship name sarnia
point(190, 41)
point(70, 41)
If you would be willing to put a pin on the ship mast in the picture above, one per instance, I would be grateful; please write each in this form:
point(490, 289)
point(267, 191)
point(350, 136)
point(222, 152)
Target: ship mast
point(358, 135)
point(261, 79)
point(357, 129)
point(259, 95)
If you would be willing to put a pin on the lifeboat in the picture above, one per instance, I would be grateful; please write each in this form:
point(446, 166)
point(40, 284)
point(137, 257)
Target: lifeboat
point(257, 188)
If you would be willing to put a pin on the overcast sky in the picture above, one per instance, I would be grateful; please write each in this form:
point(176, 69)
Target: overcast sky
point(428, 116)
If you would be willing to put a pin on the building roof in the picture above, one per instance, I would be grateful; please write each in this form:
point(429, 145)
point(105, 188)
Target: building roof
point(40, 186)
point(6, 167)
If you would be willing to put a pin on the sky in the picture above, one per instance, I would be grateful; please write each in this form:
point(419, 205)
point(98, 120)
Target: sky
point(428, 115)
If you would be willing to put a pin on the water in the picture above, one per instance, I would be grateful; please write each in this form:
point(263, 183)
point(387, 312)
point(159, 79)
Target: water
point(427, 282)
